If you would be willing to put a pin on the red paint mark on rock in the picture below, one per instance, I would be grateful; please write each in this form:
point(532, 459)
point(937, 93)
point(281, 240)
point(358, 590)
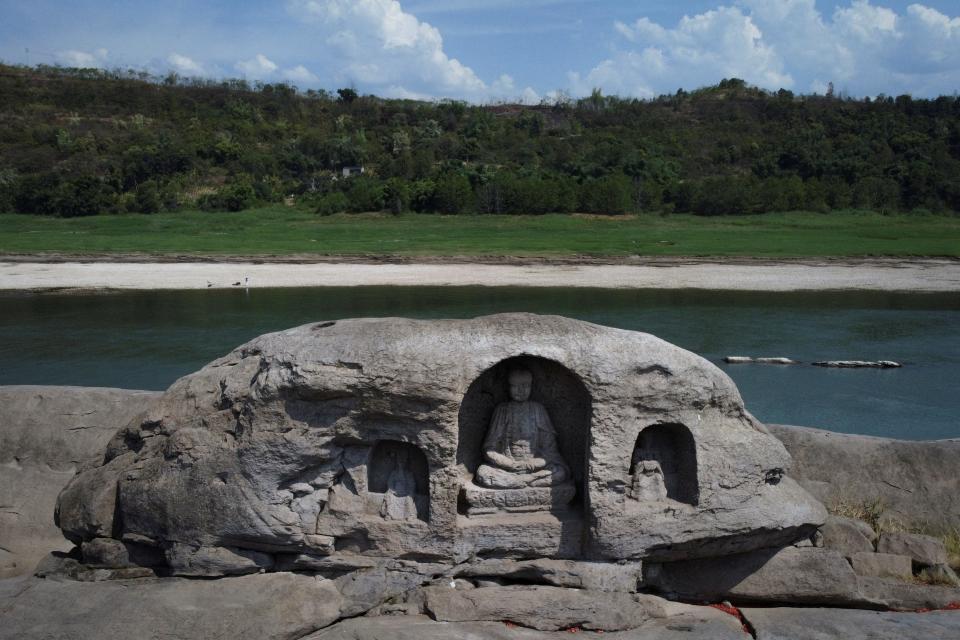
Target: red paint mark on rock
point(729, 609)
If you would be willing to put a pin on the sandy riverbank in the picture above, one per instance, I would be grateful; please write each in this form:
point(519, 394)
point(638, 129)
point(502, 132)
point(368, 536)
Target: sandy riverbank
point(921, 275)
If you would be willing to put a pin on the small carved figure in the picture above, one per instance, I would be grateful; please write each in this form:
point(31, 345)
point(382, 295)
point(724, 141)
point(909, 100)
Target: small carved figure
point(647, 484)
point(399, 502)
point(520, 449)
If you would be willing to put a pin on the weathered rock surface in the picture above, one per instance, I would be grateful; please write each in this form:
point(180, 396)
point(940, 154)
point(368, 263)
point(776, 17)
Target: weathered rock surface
point(281, 606)
point(848, 536)
point(882, 565)
point(829, 624)
point(705, 624)
point(365, 589)
point(793, 575)
point(923, 550)
point(553, 608)
point(267, 606)
point(790, 576)
point(359, 436)
point(114, 554)
point(46, 433)
point(859, 364)
point(752, 360)
point(597, 576)
point(916, 481)
point(884, 593)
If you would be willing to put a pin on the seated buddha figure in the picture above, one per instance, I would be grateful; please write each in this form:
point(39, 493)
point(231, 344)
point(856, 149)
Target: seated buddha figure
point(520, 449)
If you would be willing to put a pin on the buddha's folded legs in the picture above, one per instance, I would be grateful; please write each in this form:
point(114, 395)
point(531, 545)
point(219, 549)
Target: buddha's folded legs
point(495, 478)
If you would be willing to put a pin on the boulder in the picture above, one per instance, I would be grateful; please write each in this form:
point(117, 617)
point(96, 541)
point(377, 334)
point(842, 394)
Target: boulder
point(751, 360)
point(823, 624)
point(791, 576)
point(704, 624)
point(61, 566)
point(207, 562)
point(882, 565)
point(46, 434)
point(597, 576)
point(905, 596)
point(552, 608)
point(775, 360)
point(915, 482)
point(859, 364)
point(114, 554)
point(847, 535)
point(279, 606)
point(365, 589)
point(364, 437)
point(924, 550)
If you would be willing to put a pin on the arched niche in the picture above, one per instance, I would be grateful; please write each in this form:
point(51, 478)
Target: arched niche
point(399, 472)
point(558, 389)
point(671, 448)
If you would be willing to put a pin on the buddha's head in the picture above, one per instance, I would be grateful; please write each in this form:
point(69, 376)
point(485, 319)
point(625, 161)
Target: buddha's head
point(520, 381)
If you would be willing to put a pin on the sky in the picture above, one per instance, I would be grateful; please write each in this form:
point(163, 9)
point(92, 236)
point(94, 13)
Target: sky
point(506, 50)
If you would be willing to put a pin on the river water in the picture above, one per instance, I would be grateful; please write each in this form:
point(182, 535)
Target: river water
point(146, 340)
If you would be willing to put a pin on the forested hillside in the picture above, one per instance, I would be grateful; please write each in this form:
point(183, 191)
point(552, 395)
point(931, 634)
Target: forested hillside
point(82, 142)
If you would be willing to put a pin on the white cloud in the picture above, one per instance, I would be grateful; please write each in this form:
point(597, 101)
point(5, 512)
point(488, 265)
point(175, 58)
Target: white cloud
point(82, 59)
point(931, 38)
point(380, 46)
point(702, 49)
point(456, 6)
point(504, 89)
point(300, 74)
point(529, 96)
point(260, 66)
point(401, 93)
point(861, 47)
point(183, 64)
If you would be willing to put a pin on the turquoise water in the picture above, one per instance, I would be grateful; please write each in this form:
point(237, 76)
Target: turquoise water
point(148, 339)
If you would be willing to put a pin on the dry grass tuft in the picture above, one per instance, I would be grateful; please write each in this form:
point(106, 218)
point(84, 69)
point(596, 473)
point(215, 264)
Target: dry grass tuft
point(872, 512)
point(868, 511)
point(952, 541)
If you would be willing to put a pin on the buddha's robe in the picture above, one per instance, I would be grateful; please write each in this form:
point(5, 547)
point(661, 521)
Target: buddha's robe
point(520, 449)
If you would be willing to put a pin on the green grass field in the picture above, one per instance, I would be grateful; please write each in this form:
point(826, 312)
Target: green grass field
point(280, 230)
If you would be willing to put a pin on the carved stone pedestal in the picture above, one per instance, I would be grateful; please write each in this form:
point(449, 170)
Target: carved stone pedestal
point(482, 500)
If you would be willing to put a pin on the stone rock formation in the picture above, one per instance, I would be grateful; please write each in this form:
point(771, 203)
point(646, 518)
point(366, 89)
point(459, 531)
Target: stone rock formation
point(46, 433)
point(913, 482)
point(365, 438)
point(390, 478)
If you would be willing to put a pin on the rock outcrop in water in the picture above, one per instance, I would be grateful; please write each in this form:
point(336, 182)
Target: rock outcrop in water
point(513, 476)
point(369, 438)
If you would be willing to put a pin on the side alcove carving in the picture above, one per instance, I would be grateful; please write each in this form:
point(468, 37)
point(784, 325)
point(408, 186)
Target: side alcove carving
point(398, 481)
point(663, 466)
point(563, 396)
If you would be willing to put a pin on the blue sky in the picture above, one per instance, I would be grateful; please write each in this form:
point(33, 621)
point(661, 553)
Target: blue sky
point(486, 50)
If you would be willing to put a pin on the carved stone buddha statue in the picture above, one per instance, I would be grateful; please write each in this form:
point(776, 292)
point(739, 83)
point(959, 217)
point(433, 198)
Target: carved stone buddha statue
point(522, 467)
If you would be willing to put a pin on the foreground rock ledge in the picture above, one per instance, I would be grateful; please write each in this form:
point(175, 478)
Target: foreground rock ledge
point(365, 437)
